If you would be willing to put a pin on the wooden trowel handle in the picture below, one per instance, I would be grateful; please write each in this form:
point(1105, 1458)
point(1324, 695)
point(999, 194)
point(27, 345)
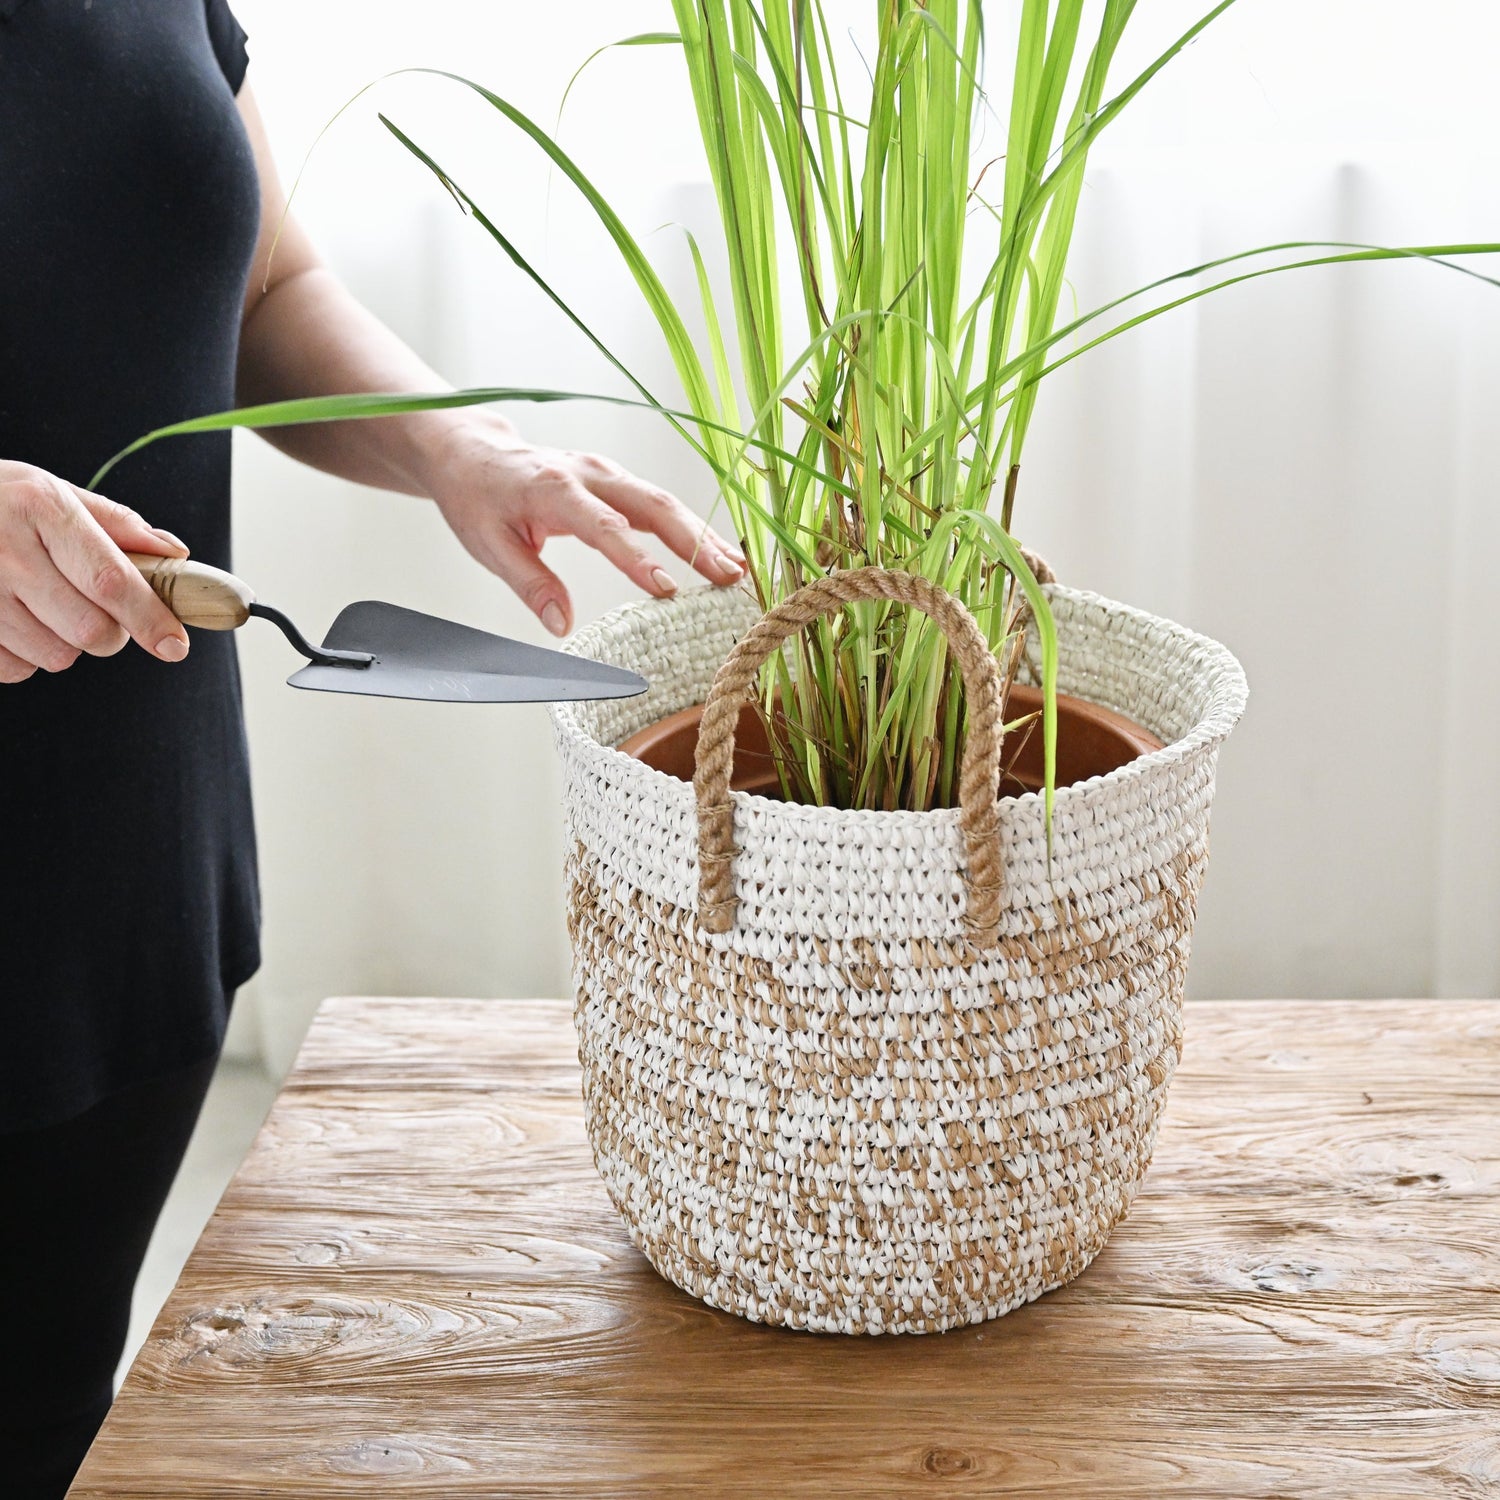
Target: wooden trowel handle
point(197, 594)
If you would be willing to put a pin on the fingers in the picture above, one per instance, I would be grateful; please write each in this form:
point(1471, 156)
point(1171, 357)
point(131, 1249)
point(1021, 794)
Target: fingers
point(13, 668)
point(127, 530)
point(505, 503)
point(559, 505)
point(532, 581)
point(77, 583)
point(648, 508)
point(603, 527)
point(29, 641)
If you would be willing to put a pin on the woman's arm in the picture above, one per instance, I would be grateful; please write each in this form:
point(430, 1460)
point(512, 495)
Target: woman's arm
point(305, 335)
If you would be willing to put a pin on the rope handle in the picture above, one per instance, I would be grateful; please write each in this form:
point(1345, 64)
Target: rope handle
point(1041, 569)
point(978, 777)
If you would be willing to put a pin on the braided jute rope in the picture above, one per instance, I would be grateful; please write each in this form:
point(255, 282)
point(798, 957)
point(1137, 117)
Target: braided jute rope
point(1041, 569)
point(979, 774)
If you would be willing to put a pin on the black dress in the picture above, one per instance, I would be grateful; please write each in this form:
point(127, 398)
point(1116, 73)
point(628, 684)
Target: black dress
point(128, 216)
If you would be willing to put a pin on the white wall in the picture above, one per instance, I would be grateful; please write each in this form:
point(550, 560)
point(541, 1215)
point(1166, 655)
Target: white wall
point(1304, 469)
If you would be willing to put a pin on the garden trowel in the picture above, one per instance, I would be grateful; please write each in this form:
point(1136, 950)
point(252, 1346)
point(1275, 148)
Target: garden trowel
point(390, 652)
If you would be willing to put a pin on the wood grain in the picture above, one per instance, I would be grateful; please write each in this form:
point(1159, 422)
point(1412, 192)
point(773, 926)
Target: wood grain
point(197, 594)
point(416, 1285)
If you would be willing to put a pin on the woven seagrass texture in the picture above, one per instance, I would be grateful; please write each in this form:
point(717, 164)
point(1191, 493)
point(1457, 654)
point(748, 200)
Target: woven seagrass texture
point(844, 1113)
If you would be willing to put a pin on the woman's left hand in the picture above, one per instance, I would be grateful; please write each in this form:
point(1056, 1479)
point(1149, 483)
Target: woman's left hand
point(504, 498)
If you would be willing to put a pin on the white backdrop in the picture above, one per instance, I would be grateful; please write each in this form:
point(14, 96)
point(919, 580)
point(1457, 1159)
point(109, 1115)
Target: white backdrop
point(1304, 468)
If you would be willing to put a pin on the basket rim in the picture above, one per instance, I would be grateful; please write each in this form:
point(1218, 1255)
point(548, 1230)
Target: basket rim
point(1227, 699)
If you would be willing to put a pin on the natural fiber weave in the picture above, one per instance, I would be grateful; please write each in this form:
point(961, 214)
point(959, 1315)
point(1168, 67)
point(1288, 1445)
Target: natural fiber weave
point(846, 1113)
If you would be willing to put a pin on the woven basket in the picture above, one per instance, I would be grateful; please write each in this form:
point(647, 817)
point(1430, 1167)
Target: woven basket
point(834, 1079)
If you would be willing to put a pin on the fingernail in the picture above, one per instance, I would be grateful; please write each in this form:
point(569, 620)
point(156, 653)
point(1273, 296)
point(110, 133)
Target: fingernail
point(663, 581)
point(727, 568)
point(169, 539)
point(554, 619)
point(172, 648)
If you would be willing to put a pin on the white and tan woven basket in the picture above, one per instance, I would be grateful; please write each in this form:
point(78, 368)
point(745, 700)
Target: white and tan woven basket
point(864, 1107)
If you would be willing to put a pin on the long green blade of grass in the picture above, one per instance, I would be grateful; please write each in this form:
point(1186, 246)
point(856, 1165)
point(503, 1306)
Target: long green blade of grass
point(926, 320)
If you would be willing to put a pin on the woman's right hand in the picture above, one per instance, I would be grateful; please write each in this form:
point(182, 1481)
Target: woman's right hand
point(66, 586)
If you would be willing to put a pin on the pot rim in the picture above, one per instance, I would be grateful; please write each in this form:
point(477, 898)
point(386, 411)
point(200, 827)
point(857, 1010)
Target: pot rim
point(1226, 703)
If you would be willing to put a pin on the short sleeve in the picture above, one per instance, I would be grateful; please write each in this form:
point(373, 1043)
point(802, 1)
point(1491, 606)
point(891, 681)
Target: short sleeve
point(228, 39)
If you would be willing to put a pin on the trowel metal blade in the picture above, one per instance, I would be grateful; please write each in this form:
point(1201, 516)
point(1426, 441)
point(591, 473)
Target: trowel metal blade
point(421, 656)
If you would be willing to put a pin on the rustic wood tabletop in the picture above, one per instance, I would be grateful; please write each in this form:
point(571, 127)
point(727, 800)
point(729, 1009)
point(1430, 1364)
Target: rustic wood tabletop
point(416, 1285)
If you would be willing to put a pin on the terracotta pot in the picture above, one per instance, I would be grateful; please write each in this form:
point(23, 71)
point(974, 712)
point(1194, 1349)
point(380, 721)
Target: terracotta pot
point(1091, 741)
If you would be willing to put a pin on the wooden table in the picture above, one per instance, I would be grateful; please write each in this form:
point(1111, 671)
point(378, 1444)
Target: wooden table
point(415, 1284)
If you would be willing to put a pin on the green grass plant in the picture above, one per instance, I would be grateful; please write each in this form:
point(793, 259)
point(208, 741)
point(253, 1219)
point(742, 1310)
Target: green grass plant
point(892, 308)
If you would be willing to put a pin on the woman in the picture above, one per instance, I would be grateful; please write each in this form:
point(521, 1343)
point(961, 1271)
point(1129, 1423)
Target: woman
point(137, 205)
